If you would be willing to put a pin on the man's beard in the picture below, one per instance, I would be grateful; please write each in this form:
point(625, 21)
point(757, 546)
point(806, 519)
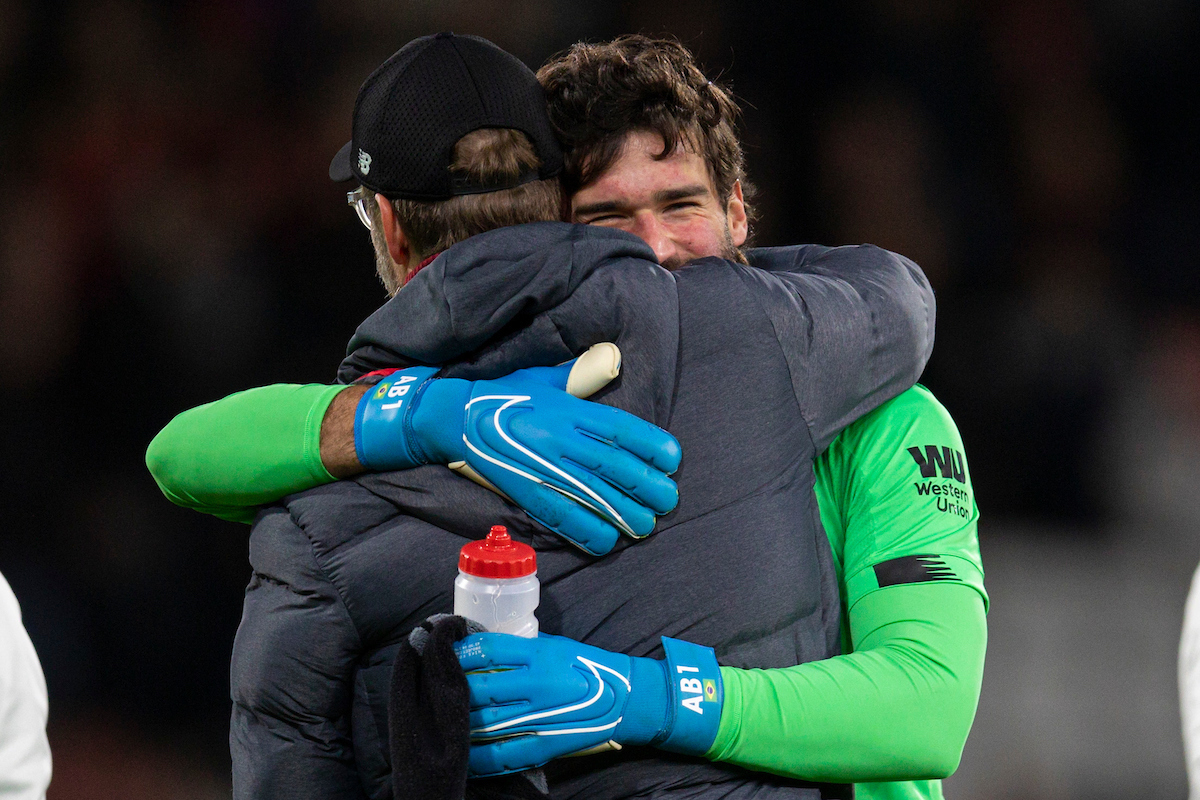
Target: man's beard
point(729, 251)
point(385, 268)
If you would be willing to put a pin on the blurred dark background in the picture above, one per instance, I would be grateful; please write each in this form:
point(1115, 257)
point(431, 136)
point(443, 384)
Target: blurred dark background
point(168, 235)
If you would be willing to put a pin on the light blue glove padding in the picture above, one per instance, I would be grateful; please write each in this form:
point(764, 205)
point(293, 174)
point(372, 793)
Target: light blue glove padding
point(586, 471)
point(534, 700)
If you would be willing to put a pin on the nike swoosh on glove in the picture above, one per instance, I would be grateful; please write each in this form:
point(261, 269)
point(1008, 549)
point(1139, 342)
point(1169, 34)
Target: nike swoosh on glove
point(587, 471)
point(533, 700)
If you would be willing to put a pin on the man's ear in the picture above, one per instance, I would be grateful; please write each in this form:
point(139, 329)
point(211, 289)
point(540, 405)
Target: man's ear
point(735, 216)
point(397, 242)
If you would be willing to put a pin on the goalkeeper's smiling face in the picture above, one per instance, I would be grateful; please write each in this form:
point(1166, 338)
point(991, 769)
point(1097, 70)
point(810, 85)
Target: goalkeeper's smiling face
point(670, 202)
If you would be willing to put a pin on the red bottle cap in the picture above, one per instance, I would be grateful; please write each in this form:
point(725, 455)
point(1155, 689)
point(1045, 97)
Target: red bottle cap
point(497, 556)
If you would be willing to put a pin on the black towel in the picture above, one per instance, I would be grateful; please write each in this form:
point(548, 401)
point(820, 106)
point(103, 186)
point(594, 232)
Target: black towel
point(429, 723)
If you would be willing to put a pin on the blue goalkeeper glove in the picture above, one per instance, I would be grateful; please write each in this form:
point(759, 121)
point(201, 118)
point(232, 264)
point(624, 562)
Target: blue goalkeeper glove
point(533, 700)
point(587, 471)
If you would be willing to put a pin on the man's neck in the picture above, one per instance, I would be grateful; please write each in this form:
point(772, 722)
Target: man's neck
point(424, 263)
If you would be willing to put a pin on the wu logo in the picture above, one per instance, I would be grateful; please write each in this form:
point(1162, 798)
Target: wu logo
point(949, 462)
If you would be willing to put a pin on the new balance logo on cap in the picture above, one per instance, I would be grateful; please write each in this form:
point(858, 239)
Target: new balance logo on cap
point(445, 86)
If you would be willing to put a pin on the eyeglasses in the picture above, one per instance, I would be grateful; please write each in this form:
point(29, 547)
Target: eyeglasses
point(358, 199)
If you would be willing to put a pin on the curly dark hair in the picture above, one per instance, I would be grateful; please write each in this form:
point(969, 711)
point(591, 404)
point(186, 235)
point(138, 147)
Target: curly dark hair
point(599, 93)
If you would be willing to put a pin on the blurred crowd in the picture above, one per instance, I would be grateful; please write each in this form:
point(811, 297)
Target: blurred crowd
point(168, 234)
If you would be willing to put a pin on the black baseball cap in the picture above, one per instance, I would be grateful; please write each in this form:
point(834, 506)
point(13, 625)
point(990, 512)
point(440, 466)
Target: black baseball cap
point(436, 89)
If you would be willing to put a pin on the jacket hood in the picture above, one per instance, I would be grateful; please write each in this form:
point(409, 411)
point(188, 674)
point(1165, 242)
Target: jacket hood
point(478, 288)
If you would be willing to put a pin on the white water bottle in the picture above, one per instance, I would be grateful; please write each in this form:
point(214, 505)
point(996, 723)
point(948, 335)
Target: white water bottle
point(497, 584)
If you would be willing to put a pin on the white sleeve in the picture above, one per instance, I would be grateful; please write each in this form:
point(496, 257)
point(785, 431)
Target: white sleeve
point(24, 749)
point(1189, 685)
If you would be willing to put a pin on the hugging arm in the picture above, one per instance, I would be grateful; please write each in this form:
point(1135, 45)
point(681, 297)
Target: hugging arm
point(587, 471)
point(856, 324)
point(251, 448)
point(899, 706)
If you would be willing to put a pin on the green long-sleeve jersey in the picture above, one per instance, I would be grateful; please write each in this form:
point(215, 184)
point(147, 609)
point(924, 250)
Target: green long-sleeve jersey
point(895, 497)
point(896, 501)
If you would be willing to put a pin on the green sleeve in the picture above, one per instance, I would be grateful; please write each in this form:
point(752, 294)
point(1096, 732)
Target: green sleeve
point(896, 485)
point(896, 709)
point(228, 457)
point(899, 704)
